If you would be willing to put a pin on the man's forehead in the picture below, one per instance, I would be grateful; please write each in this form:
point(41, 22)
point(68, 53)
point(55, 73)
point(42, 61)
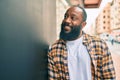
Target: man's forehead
point(75, 9)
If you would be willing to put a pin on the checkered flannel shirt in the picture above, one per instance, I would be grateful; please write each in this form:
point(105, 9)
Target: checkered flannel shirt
point(101, 61)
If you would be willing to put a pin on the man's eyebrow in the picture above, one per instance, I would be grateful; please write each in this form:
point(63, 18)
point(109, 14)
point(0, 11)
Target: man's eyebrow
point(65, 13)
point(75, 14)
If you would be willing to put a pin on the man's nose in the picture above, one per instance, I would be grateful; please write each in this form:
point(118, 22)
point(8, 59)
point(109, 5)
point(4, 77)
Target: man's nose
point(68, 20)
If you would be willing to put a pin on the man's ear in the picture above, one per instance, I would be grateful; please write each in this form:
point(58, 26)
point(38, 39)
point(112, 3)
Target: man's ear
point(83, 24)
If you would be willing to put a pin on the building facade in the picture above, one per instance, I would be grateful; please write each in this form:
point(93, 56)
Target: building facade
point(103, 21)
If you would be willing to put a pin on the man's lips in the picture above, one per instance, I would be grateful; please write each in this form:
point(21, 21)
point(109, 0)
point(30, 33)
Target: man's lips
point(67, 29)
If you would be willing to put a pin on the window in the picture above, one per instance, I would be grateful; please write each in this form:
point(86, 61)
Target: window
point(104, 22)
point(104, 27)
point(103, 16)
point(104, 11)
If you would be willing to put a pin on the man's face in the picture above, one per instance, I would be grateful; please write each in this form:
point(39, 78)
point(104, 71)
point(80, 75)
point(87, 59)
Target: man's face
point(72, 24)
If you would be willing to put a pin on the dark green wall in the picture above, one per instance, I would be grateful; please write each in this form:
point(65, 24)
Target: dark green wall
point(27, 27)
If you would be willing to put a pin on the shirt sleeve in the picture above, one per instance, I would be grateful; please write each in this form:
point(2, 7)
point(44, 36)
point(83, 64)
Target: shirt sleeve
point(107, 65)
point(52, 69)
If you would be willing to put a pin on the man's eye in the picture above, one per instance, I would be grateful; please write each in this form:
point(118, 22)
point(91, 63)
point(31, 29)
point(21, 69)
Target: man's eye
point(73, 18)
point(65, 16)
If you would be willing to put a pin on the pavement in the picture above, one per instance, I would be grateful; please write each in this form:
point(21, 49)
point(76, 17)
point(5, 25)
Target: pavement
point(115, 52)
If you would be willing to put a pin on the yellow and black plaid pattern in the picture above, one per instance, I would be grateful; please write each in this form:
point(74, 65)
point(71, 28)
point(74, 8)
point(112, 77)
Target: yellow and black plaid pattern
point(101, 61)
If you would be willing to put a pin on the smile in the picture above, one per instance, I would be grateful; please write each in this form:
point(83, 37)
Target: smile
point(67, 29)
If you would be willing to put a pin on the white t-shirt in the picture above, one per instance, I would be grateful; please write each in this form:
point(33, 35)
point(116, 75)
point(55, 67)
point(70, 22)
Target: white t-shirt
point(79, 63)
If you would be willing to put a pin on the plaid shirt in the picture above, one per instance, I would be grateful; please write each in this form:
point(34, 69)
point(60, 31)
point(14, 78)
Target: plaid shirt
point(101, 61)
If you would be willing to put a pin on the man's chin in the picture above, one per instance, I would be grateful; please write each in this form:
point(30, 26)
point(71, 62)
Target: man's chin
point(66, 37)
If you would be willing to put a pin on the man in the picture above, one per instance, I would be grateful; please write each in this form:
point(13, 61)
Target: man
point(76, 55)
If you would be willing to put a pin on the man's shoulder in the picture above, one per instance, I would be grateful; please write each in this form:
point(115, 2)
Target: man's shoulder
point(97, 44)
point(93, 38)
point(57, 44)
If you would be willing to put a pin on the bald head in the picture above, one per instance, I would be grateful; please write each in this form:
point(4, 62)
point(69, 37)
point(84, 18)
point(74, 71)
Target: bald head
point(80, 9)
